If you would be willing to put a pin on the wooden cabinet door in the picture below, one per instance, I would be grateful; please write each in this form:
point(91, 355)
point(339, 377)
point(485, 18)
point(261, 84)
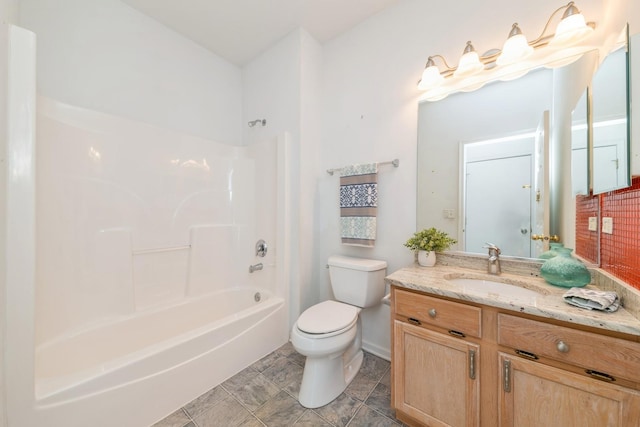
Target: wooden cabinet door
point(533, 394)
point(435, 379)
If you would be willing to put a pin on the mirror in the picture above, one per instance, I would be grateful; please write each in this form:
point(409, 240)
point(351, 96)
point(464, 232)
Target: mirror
point(634, 93)
point(610, 124)
point(580, 158)
point(499, 111)
point(480, 133)
point(503, 110)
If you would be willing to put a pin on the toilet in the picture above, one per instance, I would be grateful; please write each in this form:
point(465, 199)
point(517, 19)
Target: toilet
point(329, 334)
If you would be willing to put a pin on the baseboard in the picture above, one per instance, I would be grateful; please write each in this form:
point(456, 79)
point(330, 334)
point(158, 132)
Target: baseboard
point(382, 352)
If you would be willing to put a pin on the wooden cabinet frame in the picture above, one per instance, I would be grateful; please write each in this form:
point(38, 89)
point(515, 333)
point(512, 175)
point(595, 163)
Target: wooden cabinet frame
point(486, 403)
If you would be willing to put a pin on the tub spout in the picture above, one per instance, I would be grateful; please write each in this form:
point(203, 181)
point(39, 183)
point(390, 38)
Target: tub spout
point(255, 267)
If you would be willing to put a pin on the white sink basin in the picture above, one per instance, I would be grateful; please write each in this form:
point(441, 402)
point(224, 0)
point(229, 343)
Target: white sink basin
point(490, 288)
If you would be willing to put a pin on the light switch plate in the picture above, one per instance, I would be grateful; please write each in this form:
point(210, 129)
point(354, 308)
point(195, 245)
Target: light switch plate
point(607, 225)
point(593, 223)
point(448, 213)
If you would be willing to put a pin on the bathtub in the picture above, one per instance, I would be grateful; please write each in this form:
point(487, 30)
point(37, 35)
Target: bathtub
point(166, 358)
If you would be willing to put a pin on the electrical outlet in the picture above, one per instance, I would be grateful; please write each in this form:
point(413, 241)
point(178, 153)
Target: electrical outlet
point(448, 213)
point(607, 225)
point(593, 223)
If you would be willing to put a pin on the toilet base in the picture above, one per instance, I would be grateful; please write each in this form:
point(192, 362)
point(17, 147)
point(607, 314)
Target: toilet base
point(320, 385)
point(351, 369)
point(321, 379)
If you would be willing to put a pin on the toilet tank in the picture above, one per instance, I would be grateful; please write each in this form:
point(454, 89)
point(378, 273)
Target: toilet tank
point(357, 281)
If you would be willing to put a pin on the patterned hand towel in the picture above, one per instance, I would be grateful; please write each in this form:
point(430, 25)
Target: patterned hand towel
point(592, 300)
point(358, 204)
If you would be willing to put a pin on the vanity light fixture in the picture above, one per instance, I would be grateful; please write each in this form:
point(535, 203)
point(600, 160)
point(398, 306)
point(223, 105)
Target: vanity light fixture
point(503, 63)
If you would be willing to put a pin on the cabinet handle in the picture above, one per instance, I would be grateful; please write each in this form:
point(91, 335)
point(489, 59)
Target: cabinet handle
point(600, 375)
point(456, 334)
point(506, 376)
point(432, 313)
point(472, 364)
point(562, 347)
point(527, 354)
point(414, 321)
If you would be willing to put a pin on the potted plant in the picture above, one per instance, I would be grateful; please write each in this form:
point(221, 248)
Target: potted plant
point(427, 242)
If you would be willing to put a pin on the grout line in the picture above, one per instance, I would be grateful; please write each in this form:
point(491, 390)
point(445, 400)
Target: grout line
point(191, 420)
point(354, 415)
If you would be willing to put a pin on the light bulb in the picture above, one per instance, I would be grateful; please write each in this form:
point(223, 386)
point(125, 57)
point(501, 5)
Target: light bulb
point(469, 63)
point(572, 28)
point(515, 47)
point(431, 76)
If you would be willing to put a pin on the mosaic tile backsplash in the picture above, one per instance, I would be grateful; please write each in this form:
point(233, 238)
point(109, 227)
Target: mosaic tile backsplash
point(620, 251)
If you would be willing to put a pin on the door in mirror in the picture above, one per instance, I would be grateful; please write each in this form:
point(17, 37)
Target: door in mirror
point(634, 91)
point(580, 146)
point(610, 127)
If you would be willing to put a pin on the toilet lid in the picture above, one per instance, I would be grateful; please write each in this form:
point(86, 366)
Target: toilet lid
point(328, 316)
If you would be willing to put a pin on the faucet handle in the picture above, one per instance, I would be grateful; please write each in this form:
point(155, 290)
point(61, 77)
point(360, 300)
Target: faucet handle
point(492, 247)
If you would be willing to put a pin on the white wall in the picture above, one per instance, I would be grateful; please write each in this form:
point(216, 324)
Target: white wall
point(282, 85)
point(311, 171)
point(106, 56)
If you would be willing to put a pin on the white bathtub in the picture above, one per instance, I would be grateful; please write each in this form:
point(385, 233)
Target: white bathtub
point(165, 359)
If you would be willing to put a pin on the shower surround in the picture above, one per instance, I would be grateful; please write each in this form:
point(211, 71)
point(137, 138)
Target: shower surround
point(141, 298)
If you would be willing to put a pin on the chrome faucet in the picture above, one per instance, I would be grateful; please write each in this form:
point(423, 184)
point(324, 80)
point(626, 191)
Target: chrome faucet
point(255, 267)
point(493, 266)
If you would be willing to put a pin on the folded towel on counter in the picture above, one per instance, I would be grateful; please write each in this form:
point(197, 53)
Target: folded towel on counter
point(592, 300)
point(358, 204)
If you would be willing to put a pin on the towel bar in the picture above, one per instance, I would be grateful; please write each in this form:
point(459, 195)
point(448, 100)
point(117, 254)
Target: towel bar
point(394, 162)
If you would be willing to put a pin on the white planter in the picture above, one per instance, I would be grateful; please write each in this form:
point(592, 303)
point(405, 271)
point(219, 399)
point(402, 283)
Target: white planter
point(427, 259)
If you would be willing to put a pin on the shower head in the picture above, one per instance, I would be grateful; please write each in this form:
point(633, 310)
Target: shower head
point(262, 122)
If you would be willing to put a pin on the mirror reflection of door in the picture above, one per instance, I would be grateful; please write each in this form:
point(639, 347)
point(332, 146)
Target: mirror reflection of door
point(541, 222)
point(580, 146)
point(610, 125)
point(498, 194)
point(609, 155)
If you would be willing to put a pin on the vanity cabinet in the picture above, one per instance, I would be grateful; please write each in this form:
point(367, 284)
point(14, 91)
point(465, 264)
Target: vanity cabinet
point(534, 394)
point(594, 395)
point(462, 364)
point(435, 365)
point(436, 380)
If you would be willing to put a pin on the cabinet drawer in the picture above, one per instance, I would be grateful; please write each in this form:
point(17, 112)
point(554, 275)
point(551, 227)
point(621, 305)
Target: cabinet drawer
point(438, 312)
point(613, 356)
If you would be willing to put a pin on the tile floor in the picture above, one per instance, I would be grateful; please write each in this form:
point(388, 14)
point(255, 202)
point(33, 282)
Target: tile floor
point(265, 394)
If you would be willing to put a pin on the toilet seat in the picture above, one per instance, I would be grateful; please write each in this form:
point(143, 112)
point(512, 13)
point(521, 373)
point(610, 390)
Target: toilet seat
point(327, 317)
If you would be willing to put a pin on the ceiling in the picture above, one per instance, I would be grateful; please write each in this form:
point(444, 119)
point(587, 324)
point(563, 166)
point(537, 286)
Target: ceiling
point(239, 30)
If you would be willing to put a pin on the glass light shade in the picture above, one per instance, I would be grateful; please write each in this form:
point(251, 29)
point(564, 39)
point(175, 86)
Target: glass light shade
point(570, 30)
point(469, 64)
point(431, 78)
point(515, 48)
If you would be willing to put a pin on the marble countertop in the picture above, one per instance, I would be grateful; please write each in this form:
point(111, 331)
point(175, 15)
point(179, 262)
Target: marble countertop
point(548, 302)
